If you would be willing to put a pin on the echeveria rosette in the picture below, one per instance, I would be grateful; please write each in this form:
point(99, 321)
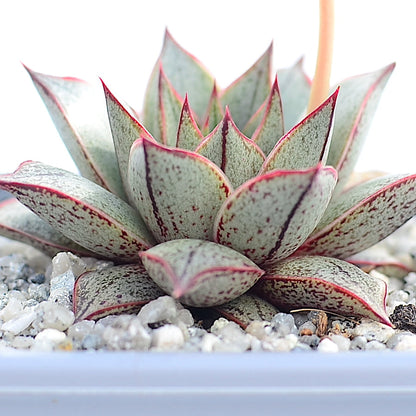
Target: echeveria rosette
point(212, 192)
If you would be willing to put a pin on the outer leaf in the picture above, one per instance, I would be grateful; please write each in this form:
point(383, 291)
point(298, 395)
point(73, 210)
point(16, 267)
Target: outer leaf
point(114, 290)
point(125, 131)
point(186, 74)
point(271, 128)
point(80, 209)
point(324, 283)
point(295, 88)
point(391, 268)
point(215, 112)
point(269, 217)
point(79, 114)
point(237, 156)
point(245, 95)
point(177, 192)
point(189, 136)
point(363, 215)
point(200, 273)
point(357, 103)
point(307, 143)
point(246, 309)
point(19, 223)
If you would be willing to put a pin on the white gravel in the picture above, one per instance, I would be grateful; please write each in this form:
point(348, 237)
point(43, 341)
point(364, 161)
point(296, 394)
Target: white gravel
point(36, 313)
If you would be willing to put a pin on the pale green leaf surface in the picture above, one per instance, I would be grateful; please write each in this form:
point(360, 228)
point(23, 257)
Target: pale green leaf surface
point(295, 88)
point(189, 136)
point(307, 143)
point(170, 106)
point(200, 273)
point(215, 112)
point(113, 290)
point(177, 192)
point(363, 215)
point(80, 209)
point(237, 156)
point(269, 217)
point(271, 129)
point(255, 120)
point(21, 224)
point(246, 94)
point(356, 105)
point(187, 76)
point(125, 130)
point(324, 283)
point(78, 111)
point(246, 309)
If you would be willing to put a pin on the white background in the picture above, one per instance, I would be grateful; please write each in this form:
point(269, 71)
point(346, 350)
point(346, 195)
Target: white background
point(120, 40)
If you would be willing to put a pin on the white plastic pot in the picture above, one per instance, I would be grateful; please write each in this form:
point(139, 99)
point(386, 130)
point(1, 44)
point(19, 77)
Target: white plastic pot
point(260, 384)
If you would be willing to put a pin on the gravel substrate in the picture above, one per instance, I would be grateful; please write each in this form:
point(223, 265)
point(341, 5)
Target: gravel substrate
point(36, 313)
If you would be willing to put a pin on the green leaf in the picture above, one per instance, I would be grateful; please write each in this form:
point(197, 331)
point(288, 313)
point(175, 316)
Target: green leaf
point(187, 76)
point(270, 216)
point(324, 283)
point(125, 129)
point(162, 108)
point(245, 95)
point(80, 209)
point(21, 224)
point(246, 309)
point(170, 106)
point(237, 156)
point(177, 192)
point(363, 215)
point(356, 106)
point(295, 89)
point(79, 113)
point(200, 273)
point(255, 120)
point(189, 136)
point(215, 112)
point(114, 290)
point(307, 143)
point(270, 130)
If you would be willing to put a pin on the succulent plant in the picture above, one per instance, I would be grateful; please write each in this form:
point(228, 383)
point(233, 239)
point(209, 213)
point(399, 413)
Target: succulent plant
point(226, 198)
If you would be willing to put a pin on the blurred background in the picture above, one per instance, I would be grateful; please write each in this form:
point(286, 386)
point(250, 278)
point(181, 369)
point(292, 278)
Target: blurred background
point(120, 41)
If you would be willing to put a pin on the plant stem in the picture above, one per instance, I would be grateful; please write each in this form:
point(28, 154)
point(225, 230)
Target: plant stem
point(320, 83)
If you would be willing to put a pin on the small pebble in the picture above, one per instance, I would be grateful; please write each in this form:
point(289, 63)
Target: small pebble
point(343, 343)
point(328, 346)
point(48, 340)
point(358, 343)
point(167, 337)
point(284, 324)
point(36, 313)
point(373, 331)
point(375, 346)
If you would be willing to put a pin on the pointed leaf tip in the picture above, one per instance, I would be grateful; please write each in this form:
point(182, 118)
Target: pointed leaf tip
point(177, 192)
point(357, 103)
point(189, 136)
point(226, 146)
point(363, 215)
point(113, 290)
point(80, 209)
point(309, 140)
point(271, 129)
point(270, 216)
point(324, 283)
point(247, 93)
point(200, 273)
point(79, 114)
point(125, 130)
